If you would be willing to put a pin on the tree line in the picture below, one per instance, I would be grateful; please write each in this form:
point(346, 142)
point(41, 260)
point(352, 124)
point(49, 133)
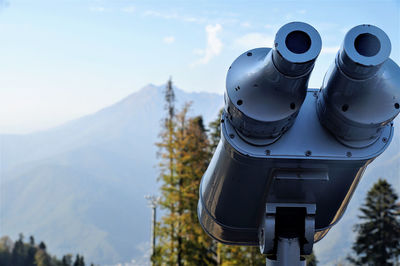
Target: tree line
point(29, 253)
point(185, 150)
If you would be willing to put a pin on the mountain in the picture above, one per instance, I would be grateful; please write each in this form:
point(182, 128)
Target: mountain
point(80, 187)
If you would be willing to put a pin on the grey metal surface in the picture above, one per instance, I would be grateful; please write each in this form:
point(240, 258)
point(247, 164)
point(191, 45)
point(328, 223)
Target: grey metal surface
point(296, 47)
point(241, 177)
point(311, 155)
point(288, 253)
point(360, 94)
point(269, 228)
point(306, 134)
point(364, 49)
point(262, 101)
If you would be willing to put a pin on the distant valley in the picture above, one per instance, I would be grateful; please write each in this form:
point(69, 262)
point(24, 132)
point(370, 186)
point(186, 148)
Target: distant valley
point(81, 186)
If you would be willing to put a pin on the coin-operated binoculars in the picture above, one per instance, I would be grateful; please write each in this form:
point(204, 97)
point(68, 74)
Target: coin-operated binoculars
point(291, 157)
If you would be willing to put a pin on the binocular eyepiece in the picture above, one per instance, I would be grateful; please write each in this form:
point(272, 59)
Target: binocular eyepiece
point(360, 93)
point(290, 157)
point(265, 87)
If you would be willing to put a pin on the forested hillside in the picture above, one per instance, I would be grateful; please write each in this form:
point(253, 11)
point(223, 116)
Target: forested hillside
point(21, 253)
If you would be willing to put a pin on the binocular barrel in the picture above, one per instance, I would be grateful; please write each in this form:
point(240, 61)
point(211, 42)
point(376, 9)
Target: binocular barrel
point(265, 87)
point(360, 93)
point(286, 146)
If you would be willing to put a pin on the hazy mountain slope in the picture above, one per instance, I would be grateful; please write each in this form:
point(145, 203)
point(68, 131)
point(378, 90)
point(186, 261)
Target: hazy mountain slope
point(137, 116)
point(81, 186)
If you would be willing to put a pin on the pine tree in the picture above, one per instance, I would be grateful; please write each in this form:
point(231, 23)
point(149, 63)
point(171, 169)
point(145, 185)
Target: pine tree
point(28, 254)
point(42, 258)
point(378, 236)
point(42, 246)
point(179, 154)
point(67, 260)
point(192, 161)
point(31, 241)
point(30, 259)
point(184, 152)
point(79, 261)
point(6, 245)
point(165, 249)
point(19, 252)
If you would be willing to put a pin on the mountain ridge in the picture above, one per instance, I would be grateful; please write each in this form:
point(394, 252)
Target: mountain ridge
point(80, 186)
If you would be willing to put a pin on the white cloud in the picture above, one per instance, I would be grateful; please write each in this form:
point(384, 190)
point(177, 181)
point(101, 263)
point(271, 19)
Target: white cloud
point(198, 52)
point(152, 13)
point(254, 40)
point(289, 16)
point(245, 24)
point(330, 50)
point(193, 19)
point(214, 45)
point(302, 11)
point(97, 9)
point(169, 39)
point(174, 15)
point(128, 9)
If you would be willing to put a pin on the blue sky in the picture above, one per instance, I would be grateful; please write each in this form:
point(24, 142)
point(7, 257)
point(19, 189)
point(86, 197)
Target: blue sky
point(60, 60)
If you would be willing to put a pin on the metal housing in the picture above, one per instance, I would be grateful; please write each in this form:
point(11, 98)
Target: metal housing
point(285, 146)
point(360, 93)
point(263, 101)
point(306, 165)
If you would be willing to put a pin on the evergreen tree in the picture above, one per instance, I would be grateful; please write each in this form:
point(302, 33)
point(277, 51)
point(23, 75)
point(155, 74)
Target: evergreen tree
point(378, 236)
point(79, 261)
point(30, 260)
point(240, 255)
point(166, 248)
point(184, 152)
point(180, 195)
point(42, 246)
point(67, 260)
point(28, 254)
point(31, 241)
point(19, 252)
point(42, 258)
point(192, 161)
point(6, 245)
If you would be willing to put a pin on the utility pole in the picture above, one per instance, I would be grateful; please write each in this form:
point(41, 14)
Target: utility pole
point(153, 202)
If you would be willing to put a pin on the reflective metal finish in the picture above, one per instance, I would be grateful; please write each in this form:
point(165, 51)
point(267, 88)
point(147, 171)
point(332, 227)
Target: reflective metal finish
point(309, 153)
point(265, 88)
point(360, 93)
point(288, 253)
point(306, 165)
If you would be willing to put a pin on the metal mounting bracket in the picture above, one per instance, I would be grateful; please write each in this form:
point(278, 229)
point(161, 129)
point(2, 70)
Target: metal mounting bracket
point(286, 240)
